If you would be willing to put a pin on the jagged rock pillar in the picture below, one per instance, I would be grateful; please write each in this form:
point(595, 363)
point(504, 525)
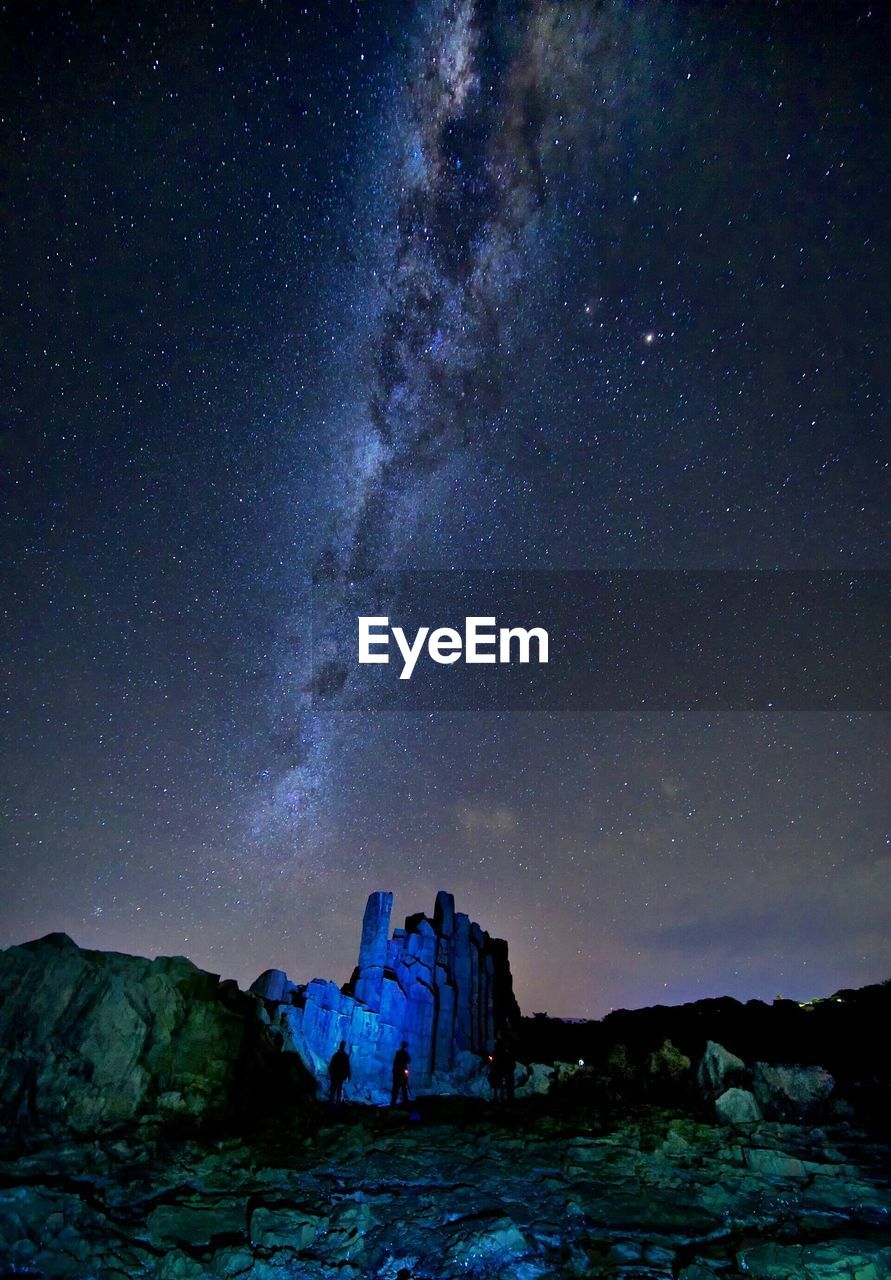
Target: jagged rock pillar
point(444, 914)
point(416, 974)
point(373, 949)
point(444, 1028)
point(444, 1039)
point(463, 983)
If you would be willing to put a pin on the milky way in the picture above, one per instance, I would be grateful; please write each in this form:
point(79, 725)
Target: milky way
point(503, 106)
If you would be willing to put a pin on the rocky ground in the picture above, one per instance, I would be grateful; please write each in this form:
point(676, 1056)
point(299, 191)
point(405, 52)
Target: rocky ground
point(458, 1190)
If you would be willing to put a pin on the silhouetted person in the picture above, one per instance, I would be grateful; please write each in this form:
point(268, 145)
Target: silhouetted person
point(509, 1070)
point(401, 1060)
point(505, 1067)
point(338, 1073)
point(493, 1078)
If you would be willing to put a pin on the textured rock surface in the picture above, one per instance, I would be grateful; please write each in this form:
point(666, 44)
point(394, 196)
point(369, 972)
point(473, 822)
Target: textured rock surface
point(792, 1093)
point(737, 1106)
point(719, 1069)
point(443, 985)
point(469, 1194)
point(273, 985)
point(90, 1039)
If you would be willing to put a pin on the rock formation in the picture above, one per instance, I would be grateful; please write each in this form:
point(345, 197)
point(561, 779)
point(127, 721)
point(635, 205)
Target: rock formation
point(443, 985)
point(582, 1182)
point(93, 1039)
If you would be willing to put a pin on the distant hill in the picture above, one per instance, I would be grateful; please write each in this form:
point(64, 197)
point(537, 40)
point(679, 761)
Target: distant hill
point(843, 1032)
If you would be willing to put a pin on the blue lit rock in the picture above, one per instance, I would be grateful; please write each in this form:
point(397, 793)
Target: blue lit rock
point(273, 985)
point(373, 950)
point(441, 984)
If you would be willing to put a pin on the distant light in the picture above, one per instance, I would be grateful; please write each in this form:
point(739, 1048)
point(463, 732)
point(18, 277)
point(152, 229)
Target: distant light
point(581, 1062)
point(649, 337)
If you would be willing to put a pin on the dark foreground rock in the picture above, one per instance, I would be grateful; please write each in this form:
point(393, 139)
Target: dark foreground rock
point(459, 1192)
point(90, 1040)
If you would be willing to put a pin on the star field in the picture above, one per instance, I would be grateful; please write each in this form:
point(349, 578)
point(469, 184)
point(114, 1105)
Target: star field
point(295, 296)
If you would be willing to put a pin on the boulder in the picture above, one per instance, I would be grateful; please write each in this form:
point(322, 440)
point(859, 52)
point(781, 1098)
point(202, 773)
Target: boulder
point(92, 1039)
point(539, 1077)
point(839, 1259)
point(737, 1106)
point(718, 1070)
point(792, 1093)
point(273, 985)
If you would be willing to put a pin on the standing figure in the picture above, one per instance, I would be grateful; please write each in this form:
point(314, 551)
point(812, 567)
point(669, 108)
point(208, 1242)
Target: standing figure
point(338, 1074)
point(493, 1078)
point(401, 1060)
point(504, 1067)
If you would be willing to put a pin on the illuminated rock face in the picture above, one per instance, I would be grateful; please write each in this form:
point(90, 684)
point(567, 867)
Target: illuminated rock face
point(441, 985)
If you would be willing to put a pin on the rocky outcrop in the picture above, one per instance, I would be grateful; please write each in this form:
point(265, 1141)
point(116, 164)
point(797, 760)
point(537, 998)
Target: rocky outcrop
point(91, 1039)
point(792, 1093)
point(442, 985)
point(797, 1094)
point(563, 1185)
point(838, 1033)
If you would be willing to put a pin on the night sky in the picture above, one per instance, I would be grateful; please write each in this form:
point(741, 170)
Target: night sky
point(298, 294)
